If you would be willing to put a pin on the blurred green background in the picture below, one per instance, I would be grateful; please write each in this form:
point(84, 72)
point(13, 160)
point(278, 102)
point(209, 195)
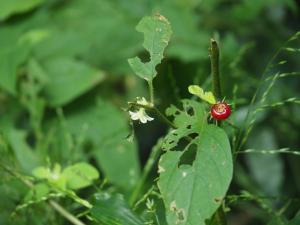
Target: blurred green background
point(65, 79)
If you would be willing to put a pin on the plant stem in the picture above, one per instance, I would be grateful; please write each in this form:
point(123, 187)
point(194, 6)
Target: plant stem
point(219, 215)
point(65, 213)
point(164, 118)
point(151, 93)
point(147, 169)
point(215, 71)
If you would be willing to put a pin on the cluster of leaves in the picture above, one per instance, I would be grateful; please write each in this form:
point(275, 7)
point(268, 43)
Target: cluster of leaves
point(64, 77)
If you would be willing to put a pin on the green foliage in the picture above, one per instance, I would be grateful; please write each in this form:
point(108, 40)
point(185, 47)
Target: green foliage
point(157, 32)
point(108, 140)
point(80, 175)
point(68, 79)
point(8, 8)
point(65, 81)
point(205, 96)
point(113, 210)
point(76, 176)
point(24, 154)
point(12, 54)
point(295, 220)
point(193, 188)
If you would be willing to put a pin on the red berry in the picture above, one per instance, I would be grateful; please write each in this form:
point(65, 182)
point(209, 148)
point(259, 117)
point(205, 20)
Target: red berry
point(220, 111)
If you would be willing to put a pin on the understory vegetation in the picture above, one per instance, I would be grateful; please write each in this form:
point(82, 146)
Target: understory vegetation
point(117, 112)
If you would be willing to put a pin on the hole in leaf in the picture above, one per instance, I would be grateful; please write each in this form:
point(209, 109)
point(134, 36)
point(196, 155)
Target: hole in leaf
point(180, 215)
point(171, 142)
point(217, 200)
point(145, 57)
point(193, 135)
point(181, 144)
point(188, 156)
point(189, 126)
point(190, 111)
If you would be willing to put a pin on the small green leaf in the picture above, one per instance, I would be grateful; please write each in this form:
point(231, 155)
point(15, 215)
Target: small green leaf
point(80, 175)
point(54, 176)
point(157, 33)
point(42, 172)
point(206, 96)
point(113, 210)
point(194, 181)
point(37, 192)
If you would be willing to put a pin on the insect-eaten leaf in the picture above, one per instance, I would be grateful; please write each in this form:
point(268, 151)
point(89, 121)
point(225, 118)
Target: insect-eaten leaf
point(194, 179)
point(205, 96)
point(157, 33)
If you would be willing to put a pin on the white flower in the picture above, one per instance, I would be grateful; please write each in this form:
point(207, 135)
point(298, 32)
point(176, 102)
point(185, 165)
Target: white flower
point(140, 115)
point(142, 101)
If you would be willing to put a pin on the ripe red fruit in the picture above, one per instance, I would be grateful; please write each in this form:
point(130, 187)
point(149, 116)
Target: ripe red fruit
point(220, 111)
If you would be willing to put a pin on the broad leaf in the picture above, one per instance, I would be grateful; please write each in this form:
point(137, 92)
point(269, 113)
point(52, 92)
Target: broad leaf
point(68, 79)
point(157, 33)
point(194, 180)
point(12, 55)
point(80, 175)
point(113, 210)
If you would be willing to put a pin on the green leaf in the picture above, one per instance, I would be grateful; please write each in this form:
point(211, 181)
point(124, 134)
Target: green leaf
point(80, 175)
point(12, 55)
point(190, 42)
point(103, 125)
point(262, 165)
point(53, 176)
point(8, 8)
point(113, 210)
point(205, 96)
point(24, 154)
point(194, 180)
point(37, 192)
point(68, 79)
point(157, 33)
point(42, 172)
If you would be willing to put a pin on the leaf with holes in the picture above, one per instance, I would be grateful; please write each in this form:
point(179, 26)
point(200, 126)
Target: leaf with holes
point(194, 179)
point(157, 33)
